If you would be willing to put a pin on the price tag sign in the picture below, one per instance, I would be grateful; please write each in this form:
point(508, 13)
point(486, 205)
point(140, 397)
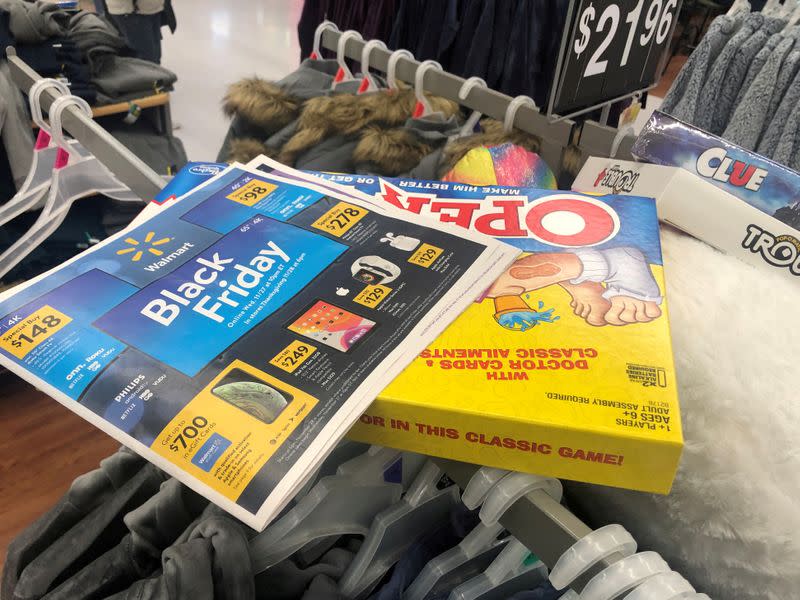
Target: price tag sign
point(340, 219)
point(30, 332)
point(615, 47)
point(252, 192)
point(294, 355)
point(372, 295)
point(425, 255)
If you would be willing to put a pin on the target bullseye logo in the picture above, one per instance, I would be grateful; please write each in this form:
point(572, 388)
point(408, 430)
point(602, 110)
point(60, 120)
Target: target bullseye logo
point(571, 221)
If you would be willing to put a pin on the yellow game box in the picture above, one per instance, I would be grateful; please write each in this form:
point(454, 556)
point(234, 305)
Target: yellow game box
point(564, 367)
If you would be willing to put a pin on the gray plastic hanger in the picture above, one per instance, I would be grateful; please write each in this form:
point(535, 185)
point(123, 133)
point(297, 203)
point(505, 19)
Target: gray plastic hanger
point(496, 490)
point(395, 529)
point(337, 505)
point(514, 570)
point(341, 504)
point(343, 451)
point(388, 464)
point(459, 564)
point(75, 176)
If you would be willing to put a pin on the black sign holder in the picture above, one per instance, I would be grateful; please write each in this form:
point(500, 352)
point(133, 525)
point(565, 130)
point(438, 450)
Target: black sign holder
point(570, 24)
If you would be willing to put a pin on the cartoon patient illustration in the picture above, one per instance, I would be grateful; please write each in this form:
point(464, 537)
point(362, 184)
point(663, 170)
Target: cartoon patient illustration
point(608, 287)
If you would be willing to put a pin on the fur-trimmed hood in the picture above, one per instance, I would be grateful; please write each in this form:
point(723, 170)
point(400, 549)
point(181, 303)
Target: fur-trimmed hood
point(395, 151)
point(261, 103)
point(260, 108)
point(355, 115)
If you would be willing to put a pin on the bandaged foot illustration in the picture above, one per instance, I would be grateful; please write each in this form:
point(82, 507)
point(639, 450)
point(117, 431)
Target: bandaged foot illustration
point(608, 287)
point(587, 301)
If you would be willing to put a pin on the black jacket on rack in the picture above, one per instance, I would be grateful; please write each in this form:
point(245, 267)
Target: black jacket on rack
point(512, 44)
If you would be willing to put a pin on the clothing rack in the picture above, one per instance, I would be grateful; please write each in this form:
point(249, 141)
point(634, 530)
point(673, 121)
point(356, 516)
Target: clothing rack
point(128, 167)
point(556, 133)
point(546, 527)
point(555, 136)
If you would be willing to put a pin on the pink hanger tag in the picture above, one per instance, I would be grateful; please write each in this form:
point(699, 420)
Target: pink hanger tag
point(339, 75)
point(364, 85)
point(419, 110)
point(62, 159)
point(42, 140)
point(314, 56)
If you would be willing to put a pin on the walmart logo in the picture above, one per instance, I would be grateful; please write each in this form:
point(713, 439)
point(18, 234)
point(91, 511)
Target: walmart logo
point(148, 245)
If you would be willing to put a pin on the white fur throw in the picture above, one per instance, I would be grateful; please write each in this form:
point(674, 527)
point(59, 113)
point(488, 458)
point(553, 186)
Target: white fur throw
point(732, 522)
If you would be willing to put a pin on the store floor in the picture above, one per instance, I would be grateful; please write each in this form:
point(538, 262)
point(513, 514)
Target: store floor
point(216, 44)
point(43, 447)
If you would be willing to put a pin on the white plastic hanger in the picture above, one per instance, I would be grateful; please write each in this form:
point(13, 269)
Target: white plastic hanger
point(321, 28)
point(391, 67)
point(588, 551)
point(513, 107)
point(423, 108)
point(664, 586)
point(515, 569)
point(622, 132)
point(368, 83)
point(344, 74)
point(511, 488)
point(74, 176)
point(480, 484)
point(624, 575)
point(771, 7)
point(395, 529)
point(785, 10)
point(34, 188)
point(469, 126)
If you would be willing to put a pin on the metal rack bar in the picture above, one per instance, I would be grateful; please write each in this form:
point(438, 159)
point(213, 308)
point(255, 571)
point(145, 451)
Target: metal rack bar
point(555, 136)
point(539, 522)
point(128, 167)
point(596, 140)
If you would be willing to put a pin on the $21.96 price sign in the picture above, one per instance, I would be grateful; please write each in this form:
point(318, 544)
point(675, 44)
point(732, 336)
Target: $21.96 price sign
point(616, 47)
